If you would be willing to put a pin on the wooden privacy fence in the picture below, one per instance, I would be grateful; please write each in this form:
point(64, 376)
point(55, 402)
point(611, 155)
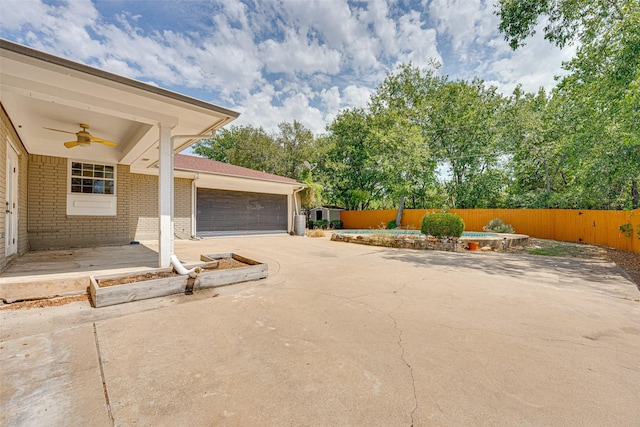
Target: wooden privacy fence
point(597, 227)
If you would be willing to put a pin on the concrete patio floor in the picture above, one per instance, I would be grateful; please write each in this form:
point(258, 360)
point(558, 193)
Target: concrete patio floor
point(339, 334)
point(64, 272)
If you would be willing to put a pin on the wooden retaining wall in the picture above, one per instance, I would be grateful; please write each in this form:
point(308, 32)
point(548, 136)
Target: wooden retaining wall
point(597, 227)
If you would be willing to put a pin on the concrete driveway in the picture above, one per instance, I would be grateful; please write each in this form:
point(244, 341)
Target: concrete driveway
point(339, 335)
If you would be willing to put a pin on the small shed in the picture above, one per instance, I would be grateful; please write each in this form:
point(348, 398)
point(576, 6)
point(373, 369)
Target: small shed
point(329, 213)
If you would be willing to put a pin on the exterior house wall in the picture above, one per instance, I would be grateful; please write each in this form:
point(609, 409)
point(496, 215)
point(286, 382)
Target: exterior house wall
point(137, 208)
point(143, 222)
point(49, 226)
point(10, 138)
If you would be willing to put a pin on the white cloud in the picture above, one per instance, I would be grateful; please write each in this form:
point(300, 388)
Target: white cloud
point(415, 43)
point(466, 23)
point(533, 66)
point(480, 50)
point(356, 96)
point(326, 55)
point(297, 54)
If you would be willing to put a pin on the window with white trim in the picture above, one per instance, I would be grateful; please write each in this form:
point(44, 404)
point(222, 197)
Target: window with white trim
point(90, 178)
point(91, 189)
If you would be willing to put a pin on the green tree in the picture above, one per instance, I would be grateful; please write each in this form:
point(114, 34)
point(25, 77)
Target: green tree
point(423, 120)
point(295, 145)
point(397, 117)
point(242, 146)
point(352, 166)
point(465, 132)
point(597, 101)
point(282, 153)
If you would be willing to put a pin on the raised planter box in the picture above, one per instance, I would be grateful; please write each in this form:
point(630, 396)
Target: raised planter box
point(111, 294)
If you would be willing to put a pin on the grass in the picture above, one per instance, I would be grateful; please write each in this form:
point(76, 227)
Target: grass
point(628, 261)
point(561, 249)
point(548, 251)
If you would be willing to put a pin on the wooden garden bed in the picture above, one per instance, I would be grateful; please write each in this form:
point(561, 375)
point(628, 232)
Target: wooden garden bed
point(216, 270)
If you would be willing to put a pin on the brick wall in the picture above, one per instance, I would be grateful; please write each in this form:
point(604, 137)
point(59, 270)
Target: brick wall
point(49, 226)
point(143, 221)
point(182, 207)
point(9, 136)
point(137, 212)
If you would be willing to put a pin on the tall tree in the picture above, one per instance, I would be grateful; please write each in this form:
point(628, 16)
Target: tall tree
point(466, 133)
point(242, 146)
point(283, 152)
point(296, 145)
point(424, 120)
point(600, 94)
point(398, 117)
point(353, 160)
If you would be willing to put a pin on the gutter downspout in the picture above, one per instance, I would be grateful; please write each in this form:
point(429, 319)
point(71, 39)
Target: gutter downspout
point(295, 199)
point(297, 212)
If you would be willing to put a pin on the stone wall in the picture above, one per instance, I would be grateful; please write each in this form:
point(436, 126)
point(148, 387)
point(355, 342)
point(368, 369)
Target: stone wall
point(404, 242)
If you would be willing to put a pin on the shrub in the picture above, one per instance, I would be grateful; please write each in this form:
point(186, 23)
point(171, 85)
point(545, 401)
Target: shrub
point(498, 226)
point(442, 224)
point(314, 233)
point(336, 224)
point(391, 225)
point(321, 223)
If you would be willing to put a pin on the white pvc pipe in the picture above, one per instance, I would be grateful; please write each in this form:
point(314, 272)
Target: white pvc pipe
point(180, 269)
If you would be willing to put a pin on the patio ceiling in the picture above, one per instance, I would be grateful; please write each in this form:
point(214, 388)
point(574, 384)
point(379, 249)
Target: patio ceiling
point(41, 91)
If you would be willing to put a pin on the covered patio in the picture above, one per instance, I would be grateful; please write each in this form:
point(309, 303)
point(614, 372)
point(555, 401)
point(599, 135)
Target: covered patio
point(66, 272)
point(43, 97)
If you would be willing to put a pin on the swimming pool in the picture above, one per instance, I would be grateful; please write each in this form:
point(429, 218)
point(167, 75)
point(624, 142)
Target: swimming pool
point(414, 232)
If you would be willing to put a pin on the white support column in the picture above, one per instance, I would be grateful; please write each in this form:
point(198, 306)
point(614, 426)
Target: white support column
point(165, 198)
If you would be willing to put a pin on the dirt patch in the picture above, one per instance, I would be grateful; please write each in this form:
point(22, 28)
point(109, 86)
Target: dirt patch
point(628, 261)
point(41, 303)
point(223, 264)
point(226, 263)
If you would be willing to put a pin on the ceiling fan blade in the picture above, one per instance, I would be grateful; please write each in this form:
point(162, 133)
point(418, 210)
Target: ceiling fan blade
point(64, 131)
point(71, 144)
point(104, 141)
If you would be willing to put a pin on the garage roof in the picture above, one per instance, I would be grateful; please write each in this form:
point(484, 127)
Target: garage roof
point(200, 164)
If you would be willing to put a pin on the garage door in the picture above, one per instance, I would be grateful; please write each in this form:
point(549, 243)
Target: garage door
point(238, 212)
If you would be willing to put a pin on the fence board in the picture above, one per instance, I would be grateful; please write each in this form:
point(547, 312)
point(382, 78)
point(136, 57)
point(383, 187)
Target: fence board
point(596, 227)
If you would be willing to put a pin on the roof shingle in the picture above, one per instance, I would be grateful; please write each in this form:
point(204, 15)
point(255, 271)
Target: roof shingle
point(200, 164)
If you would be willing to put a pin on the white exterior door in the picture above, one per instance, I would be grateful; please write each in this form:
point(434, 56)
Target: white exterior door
point(11, 224)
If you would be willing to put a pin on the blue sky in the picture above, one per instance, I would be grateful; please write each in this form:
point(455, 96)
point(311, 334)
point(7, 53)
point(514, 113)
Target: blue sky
point(275, 60)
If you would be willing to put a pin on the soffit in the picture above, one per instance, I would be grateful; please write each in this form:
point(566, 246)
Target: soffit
point(39, 90)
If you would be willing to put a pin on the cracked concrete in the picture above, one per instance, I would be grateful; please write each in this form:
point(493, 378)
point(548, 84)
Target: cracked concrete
point(339, 334)
point(413, 380)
